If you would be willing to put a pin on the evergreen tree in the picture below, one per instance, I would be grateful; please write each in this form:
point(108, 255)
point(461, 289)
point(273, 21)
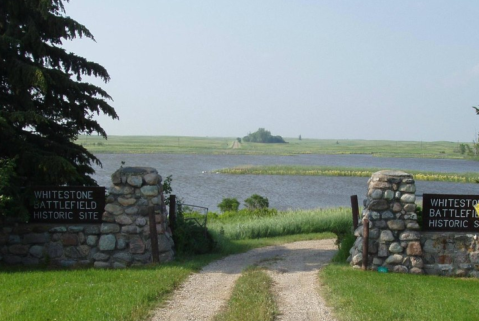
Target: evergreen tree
point(44, 103)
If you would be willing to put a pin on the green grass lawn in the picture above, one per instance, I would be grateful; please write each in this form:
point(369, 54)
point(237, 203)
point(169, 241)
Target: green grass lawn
point(224, 145)
point(89, 294)
point(360, 295)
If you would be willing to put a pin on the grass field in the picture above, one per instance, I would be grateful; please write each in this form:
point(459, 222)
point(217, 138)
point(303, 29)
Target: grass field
point(225, 145)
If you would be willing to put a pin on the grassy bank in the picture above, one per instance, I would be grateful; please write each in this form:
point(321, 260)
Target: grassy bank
point(225, 145)
point(346, 171)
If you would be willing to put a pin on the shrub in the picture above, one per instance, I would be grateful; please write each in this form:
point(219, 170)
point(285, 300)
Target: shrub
point(229, 204)
point(190, 236)
point(255, 202)
point(190, 233)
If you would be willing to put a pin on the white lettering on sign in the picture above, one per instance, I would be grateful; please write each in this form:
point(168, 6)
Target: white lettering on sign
point(66, 205)
point(86, 195)
point(451, 212)
point(89, 215)
point(456, 212)
point(77, 204)
point(449, 223)
point(51, 215)
point(451, 202)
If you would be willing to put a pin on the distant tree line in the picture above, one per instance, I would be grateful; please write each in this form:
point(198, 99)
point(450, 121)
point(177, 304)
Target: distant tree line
point(263, 136)
point(467, 150)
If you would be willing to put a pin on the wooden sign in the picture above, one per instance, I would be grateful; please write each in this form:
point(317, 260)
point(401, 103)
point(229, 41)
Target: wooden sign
point(445, 212)
point(67, 204)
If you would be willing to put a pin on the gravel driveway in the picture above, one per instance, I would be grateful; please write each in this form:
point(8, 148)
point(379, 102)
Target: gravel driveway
point(293, 267)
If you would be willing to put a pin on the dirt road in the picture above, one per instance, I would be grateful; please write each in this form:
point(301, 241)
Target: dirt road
point(293, 267)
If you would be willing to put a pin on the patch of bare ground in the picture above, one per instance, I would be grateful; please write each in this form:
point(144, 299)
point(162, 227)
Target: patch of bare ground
point(294, 268)
point(236, 145)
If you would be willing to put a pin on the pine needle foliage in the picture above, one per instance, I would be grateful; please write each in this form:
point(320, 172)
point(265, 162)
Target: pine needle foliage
point(44, 101)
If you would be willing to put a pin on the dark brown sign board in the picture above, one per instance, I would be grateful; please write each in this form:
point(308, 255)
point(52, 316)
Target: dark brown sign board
point(447, 212)
point(67, 204)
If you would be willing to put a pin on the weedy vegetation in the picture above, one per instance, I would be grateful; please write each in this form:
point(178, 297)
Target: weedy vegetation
point(345, 171)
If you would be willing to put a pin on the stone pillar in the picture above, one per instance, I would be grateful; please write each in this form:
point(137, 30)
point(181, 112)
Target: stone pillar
point(125, 233)
point(394, 237)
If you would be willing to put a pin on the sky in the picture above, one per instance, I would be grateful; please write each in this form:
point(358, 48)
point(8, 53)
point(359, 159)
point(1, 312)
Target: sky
point(394, 70)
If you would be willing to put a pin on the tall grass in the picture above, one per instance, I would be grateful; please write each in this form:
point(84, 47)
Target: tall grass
point(335, 220)
point(346, 171)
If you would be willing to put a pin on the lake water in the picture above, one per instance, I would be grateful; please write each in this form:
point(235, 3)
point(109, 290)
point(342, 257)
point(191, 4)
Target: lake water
point(196, 183)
